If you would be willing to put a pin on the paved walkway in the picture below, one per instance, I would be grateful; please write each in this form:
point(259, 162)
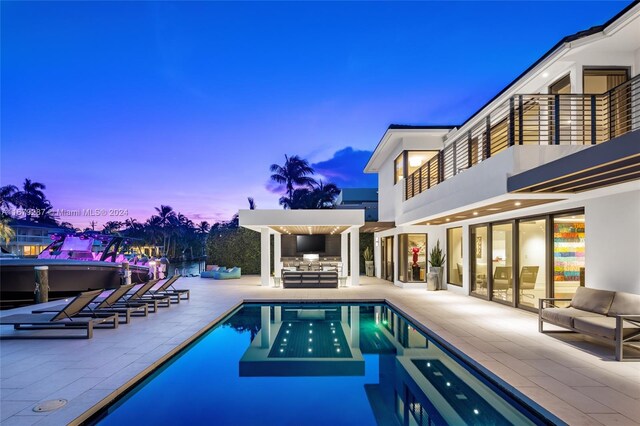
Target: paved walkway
point(574, 378)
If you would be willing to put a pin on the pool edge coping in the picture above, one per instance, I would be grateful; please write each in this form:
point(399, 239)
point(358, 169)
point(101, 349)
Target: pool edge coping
point(502, 384)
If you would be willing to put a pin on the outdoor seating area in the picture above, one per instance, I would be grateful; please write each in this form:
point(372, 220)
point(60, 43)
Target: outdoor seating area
point(89, 311)
point(222, 273)
point(601, 314)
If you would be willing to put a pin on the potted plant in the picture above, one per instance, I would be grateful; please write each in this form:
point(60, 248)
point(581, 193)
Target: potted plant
point(368, 261)
point(436, 260)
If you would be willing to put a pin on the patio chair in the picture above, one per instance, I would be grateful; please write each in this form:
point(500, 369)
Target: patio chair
point(168, 289)
point(502, 280)
point(106, 306)
point(66, 319)
point(143, 295)
point(528, 277)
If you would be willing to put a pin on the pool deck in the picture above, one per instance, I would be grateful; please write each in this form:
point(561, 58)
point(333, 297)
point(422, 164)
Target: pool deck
point(575, 378)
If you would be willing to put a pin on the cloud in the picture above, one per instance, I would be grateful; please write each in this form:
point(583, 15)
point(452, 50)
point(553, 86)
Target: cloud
point(345, 169)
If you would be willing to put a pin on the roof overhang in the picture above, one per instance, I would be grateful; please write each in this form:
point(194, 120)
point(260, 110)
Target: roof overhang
point(609, 163)
point(321, 221)
point(395, 132)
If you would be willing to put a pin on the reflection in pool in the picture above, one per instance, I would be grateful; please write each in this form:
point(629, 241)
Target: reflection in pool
point(320, 364)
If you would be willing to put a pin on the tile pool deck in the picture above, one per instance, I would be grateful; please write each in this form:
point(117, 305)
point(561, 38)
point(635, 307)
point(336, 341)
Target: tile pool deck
point(576, 379)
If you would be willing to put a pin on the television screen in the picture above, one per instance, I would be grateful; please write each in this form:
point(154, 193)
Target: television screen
point(310, 243)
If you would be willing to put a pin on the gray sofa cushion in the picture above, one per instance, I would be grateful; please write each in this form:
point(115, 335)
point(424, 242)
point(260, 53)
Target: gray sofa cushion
point(625, 303)
point(603, 326)
point(592, 300)
point(565, 316)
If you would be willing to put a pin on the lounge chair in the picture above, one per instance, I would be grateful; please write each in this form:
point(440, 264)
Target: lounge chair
point(66, 319)
point(143, 295)
point(229, 274)
point(168, 289)
point(99, 307)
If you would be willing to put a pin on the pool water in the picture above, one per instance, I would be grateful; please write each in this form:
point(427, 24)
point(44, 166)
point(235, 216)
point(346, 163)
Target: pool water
point(316, 365)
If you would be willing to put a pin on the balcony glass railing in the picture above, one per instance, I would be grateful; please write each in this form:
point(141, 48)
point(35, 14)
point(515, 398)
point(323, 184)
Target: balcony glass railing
point(534, 120)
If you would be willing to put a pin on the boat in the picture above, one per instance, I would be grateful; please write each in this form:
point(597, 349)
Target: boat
point(77, 262)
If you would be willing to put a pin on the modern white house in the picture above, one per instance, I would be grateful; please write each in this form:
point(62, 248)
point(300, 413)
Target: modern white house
point(538, 192)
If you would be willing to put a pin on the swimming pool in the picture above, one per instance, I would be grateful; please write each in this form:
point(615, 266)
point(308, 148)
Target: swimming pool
point(327, 364)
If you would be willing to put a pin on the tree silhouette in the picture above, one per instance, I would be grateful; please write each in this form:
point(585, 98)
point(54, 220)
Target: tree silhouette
point(295, 172)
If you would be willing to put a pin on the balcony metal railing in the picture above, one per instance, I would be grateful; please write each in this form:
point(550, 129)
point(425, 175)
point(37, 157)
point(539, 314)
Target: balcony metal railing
point(534, 120)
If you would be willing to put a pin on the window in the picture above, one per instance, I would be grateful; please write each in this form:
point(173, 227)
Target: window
point(409, 161)
point(454, 256)
point(597, 81)
point(399, 168)
point(562, 86)
point(412, 255)
point(532, 245)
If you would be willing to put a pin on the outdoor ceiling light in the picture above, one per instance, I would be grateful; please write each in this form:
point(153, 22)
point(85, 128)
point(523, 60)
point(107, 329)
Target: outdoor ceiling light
point(518, 203)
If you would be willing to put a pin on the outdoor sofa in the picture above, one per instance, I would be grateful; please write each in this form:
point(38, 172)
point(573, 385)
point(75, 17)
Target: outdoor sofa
point(605, 315)
point(222, 273)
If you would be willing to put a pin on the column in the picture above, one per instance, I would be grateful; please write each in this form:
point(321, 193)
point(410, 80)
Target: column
point(344, 253)
point(265, 257)
point(344, 315)
point(355, 256)
point(277, 254)
point(277, 314)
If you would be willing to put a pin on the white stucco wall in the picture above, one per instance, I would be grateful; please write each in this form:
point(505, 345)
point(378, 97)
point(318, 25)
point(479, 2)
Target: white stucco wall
point(612, 242)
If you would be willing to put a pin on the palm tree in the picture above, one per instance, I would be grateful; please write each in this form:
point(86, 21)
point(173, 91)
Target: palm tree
point(299, 200)
point(203, 227)
point(294, 172)
point(8, 196)
point(112, 227)
point(34, 189)
point(165, 213)
point(325, 195)
point(6, 232)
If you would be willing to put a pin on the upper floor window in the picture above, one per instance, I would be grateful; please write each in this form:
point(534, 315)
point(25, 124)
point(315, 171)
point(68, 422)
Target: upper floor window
point(599, 80)
point(561, 86)
point(410, 161)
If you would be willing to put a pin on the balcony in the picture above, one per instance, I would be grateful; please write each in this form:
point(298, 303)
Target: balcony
point(534, 120)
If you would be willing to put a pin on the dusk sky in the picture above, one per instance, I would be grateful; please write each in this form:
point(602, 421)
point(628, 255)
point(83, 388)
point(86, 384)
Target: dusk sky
point(130, 105)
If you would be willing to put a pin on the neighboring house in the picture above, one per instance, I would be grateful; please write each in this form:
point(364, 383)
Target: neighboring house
point(535, 194)
point(31, 238)
point(360, 198)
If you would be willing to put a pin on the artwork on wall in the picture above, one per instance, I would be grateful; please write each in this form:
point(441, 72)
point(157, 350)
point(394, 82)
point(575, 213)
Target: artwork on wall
point(478, 247)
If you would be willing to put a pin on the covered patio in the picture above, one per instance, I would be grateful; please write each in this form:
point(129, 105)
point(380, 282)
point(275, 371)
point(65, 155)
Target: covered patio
point(291, 224)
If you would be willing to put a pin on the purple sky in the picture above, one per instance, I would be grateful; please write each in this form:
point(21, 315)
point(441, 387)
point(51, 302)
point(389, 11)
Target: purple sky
point(123, 105)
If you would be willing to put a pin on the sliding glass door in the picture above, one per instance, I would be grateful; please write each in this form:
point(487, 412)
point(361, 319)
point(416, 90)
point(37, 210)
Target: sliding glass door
point(502, 262)
point(532, 247)
point(454, 256)
point(479, 254)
